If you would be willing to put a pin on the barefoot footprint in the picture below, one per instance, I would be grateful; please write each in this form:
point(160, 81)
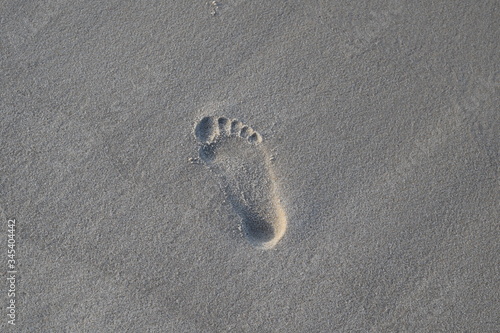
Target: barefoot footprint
point(234, 151)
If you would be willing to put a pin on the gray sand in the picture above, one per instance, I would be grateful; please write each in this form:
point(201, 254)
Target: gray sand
point(381, 121)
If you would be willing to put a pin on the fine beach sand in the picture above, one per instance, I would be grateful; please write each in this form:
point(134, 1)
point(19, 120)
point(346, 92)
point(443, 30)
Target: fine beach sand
point(251, 166)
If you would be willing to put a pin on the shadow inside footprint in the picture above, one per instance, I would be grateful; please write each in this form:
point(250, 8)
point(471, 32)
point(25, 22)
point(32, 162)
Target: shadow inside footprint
point(206, 130)
point(256, 228)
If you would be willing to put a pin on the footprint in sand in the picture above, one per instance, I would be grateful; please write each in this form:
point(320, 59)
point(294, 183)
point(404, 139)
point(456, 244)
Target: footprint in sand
point(235, 153)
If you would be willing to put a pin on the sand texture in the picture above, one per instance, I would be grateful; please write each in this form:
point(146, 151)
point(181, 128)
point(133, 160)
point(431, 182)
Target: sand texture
point(251, 166)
